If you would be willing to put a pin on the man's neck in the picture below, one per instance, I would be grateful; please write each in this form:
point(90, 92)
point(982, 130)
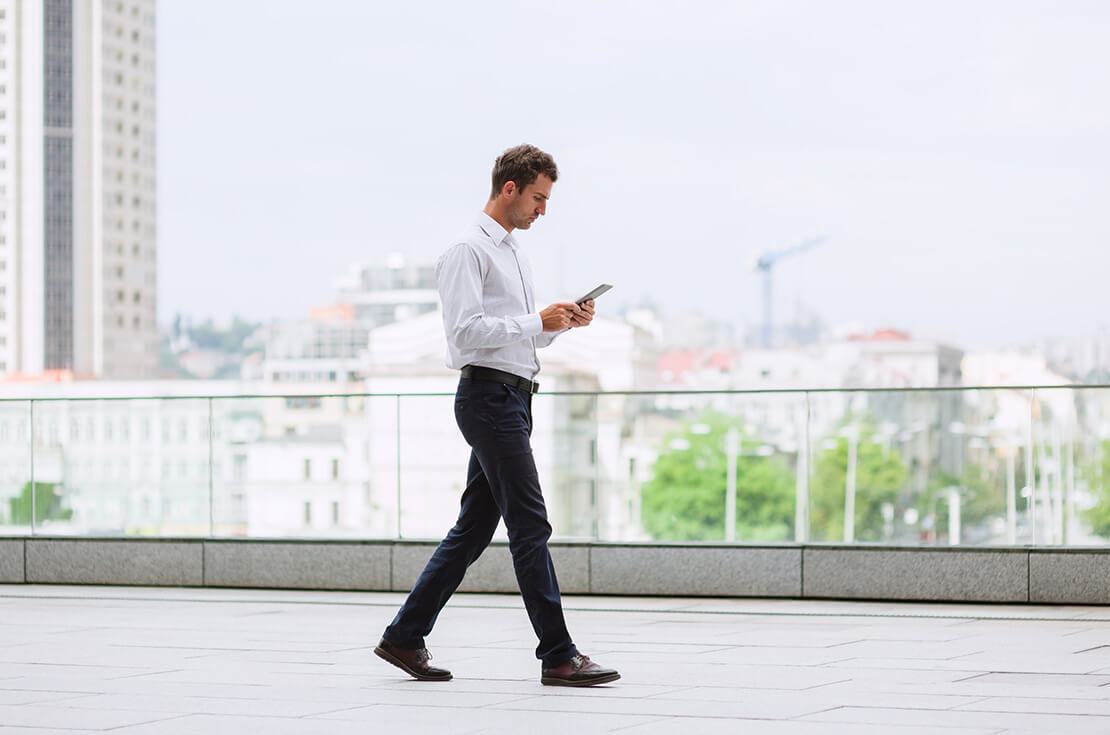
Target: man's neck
point(498, 216)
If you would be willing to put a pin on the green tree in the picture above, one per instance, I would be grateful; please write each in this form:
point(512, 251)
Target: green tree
point(880, 476)
point(1097, 474)
point(207, 336)
point(48, 505)
point(685, 499)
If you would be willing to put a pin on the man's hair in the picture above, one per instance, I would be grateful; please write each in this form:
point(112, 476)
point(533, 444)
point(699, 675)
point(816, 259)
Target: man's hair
point(522, 164)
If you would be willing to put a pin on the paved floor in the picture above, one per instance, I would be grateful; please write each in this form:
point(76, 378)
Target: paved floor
point(172, 661)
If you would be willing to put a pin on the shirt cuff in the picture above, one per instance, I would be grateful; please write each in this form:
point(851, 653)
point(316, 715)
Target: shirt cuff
point(532, 325)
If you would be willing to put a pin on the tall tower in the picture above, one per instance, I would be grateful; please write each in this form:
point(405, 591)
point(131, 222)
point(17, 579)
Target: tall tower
point(78, 252)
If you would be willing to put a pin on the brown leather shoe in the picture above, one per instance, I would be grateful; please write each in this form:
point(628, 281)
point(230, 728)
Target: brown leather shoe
point(580, 671)
point(413, 661)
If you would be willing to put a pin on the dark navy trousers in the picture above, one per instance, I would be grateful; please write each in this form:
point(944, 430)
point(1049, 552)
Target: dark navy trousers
point(502, 483)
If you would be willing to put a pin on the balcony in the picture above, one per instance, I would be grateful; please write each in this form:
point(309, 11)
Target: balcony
point(980, 494)
point(181, 661)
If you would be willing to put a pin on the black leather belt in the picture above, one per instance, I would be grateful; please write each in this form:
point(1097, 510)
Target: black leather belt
point(477, 372)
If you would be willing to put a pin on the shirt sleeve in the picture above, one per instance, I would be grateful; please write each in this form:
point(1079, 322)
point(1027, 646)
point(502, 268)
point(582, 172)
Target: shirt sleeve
point(459, 277)
point(546, 338)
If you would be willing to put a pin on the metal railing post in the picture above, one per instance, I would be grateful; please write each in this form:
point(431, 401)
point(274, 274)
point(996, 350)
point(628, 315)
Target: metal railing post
point(34, 484)
point(211, 474)
point(801, 487)
point(398, 466)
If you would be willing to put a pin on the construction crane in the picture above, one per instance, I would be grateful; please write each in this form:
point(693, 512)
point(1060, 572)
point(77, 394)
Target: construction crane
point(765, 264)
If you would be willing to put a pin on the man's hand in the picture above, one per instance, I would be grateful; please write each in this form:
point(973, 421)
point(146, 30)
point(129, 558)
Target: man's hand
point(586, 316)
point(560, 316)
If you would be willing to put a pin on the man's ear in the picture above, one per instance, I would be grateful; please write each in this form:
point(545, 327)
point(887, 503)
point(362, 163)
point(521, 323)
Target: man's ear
point(509, 188)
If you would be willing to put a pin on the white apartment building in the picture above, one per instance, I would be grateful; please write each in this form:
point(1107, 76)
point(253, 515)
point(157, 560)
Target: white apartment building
point(77, 187)
point(390, 290)
point(202, 456)
point(330, 345)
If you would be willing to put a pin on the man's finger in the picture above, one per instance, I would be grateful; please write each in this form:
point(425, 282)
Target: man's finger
point(573, 307)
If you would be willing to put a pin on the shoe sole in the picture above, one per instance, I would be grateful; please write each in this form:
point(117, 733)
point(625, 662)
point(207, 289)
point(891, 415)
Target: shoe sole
point(387, 656)
point(582, 683)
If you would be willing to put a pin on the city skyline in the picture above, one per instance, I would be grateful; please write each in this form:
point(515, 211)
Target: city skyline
point(955, 156)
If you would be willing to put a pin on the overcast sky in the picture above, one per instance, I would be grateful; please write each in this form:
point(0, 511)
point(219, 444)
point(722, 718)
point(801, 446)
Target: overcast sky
point(956, 154)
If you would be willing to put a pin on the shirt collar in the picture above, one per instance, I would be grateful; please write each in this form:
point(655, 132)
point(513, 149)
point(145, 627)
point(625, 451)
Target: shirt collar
point(496, 232)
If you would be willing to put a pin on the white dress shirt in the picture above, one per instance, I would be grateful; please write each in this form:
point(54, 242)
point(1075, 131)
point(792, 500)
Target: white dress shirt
point(489, 306)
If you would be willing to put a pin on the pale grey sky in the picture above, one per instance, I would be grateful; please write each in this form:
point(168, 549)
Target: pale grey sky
point(956, 153)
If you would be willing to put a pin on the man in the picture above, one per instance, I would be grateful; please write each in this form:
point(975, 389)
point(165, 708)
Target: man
point(493, 330)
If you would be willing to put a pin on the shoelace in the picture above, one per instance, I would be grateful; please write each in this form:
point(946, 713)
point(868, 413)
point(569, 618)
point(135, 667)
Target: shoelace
point(423, 656)
point(581, 661)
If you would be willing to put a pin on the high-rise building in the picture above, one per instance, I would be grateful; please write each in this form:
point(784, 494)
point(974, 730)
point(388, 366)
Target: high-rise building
point(77, 187)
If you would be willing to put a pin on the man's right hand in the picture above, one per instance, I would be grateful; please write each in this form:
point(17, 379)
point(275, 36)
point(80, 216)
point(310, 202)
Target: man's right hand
point(557, 317)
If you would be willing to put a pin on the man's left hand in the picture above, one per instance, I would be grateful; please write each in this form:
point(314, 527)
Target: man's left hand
point(587, 315)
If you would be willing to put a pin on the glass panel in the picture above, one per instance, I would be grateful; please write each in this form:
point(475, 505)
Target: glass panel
point(435, 457)
point(970, 467)
point(1071, 436)
point(305, 466)
point(919, 467)
point(434, 460)
point(15, 474)
point(131, 467)
point(1088, 461)
point(713, 467)
point(566, 445)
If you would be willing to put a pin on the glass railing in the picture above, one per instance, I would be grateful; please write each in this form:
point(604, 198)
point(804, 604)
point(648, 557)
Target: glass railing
point(915, 467)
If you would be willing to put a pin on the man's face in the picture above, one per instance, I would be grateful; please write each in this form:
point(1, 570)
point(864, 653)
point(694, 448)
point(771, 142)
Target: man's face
point(529, 204)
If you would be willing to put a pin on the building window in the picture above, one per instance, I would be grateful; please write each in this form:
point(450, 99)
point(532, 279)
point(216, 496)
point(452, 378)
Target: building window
point(307, 513)
point(335, 469)
point(308, 469)
point(335, 513)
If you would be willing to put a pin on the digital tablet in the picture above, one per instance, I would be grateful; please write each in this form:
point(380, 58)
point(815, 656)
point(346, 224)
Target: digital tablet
point(594, 294)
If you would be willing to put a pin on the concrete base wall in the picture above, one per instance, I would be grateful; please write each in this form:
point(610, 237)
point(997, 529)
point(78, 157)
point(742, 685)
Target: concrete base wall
point(991, 574)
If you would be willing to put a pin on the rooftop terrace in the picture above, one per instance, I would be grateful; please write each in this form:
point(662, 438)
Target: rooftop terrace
point(166, 661)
